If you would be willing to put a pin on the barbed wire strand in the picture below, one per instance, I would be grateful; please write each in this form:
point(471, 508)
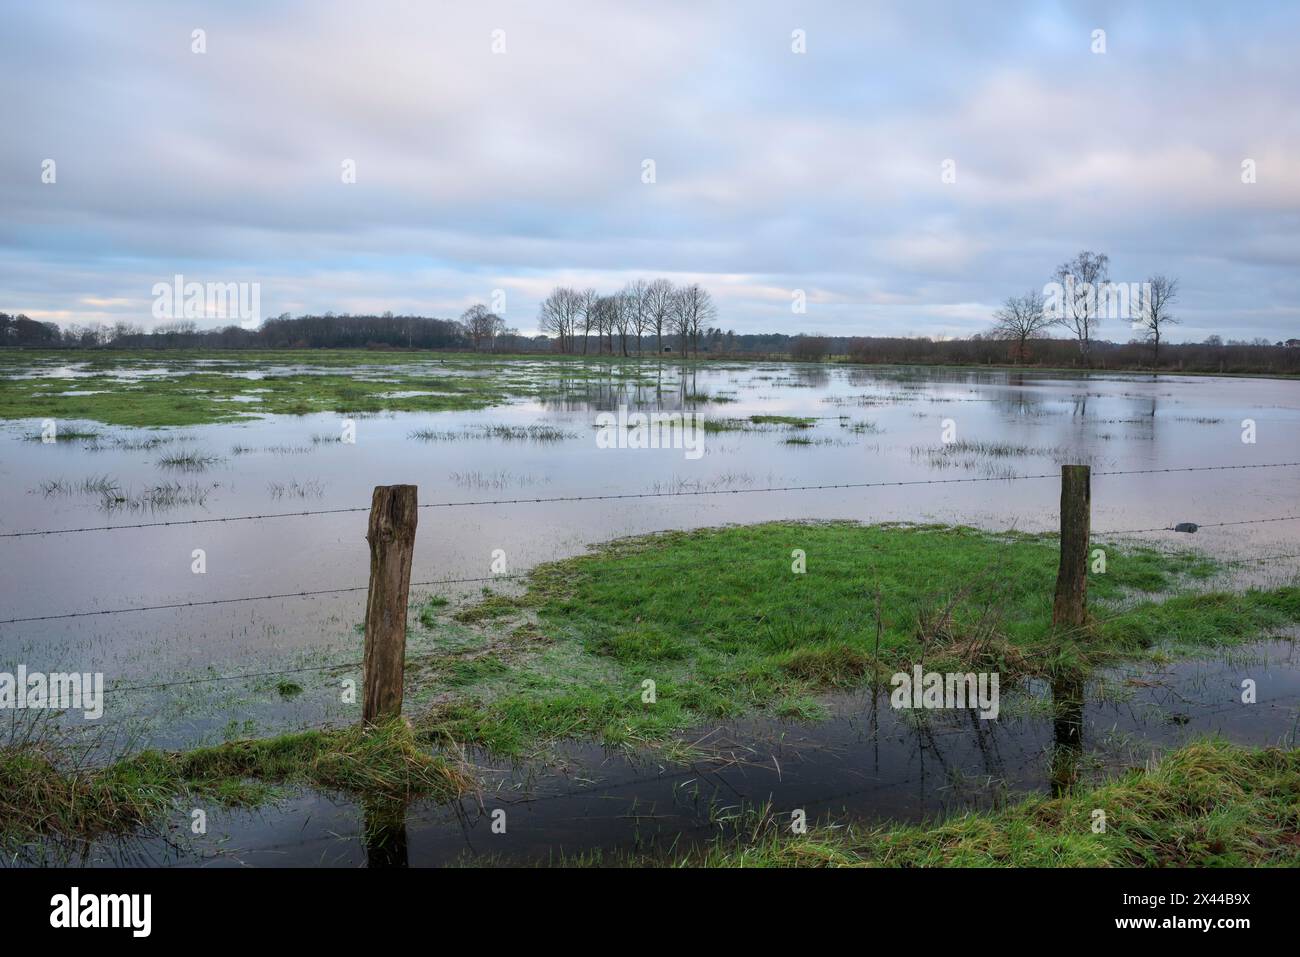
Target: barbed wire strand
point(522, 575)
point(415, 659)
point(620, 496)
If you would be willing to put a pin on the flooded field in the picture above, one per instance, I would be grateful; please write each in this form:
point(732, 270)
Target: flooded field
point(524, 430)
point(865, 762)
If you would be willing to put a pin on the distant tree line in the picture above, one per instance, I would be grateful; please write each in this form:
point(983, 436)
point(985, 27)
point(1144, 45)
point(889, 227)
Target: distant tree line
point(329, 331)
point(1213, 355)
point(658, 316)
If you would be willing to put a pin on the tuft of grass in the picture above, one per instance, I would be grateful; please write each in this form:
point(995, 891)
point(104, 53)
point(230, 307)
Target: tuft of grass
point(71, 435)
point(99, 485)
point(310, 488)
point(166, 495)
point(189, 460)
point(383, 762)
point(793, 421)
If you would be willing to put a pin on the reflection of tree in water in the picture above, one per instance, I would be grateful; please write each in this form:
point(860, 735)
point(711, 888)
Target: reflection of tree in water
point(605, 388)
point(812, 376)
point(1019, 403)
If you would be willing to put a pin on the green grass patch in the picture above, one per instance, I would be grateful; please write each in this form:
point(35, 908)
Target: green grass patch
point(382, 763)
point(793, 421)
point(722, 624)
point(1208, 804)
point(286, 383)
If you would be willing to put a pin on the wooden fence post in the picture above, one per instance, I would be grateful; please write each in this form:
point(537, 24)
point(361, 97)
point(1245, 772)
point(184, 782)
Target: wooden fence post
point(1070, 608)
point(393, 513)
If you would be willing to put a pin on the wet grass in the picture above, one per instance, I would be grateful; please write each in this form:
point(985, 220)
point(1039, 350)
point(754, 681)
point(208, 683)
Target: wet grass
point(728, 425)
point(1208, 804)
point(60, 435)
point(156, 498)
point(534, 433)
point(722, 624)
point(759, 423)
point(168, 388)
point(41, 798)
point(188, 460)
point(859, 426)
point(793, 421)
point(310, 488)
point(293, 383)
point(99, 485)
point(495, 481)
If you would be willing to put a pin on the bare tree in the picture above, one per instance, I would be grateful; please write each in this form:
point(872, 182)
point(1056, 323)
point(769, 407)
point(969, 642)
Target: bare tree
point(611, 320)
point(1020, 319)
point(1076, 304)
point(623, 317)
point(587, 312)
point(1152, 311)
point(559, 315)
point(635, 294)
point(602, 320)
point(659, 305)
point(679, 320)
point(481, 325)
point(692, 307)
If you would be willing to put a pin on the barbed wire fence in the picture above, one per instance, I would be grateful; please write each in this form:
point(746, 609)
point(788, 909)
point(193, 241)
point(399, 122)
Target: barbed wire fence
point(524, 576)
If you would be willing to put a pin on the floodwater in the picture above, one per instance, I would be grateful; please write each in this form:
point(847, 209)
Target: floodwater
point(868, 763)
point(871, 425)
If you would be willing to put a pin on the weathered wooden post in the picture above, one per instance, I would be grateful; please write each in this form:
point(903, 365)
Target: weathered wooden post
point(1070, 609)
point(393, 512)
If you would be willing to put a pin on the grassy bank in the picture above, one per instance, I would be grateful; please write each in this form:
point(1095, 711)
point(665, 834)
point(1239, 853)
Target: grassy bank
point(40, 797)
point(1208, 804)
point(723, 625)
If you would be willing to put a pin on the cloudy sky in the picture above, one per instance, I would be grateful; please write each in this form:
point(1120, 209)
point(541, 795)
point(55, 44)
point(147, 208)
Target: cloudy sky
point(774, 170)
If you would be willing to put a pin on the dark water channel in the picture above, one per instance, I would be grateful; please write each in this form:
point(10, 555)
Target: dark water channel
point(868, 763)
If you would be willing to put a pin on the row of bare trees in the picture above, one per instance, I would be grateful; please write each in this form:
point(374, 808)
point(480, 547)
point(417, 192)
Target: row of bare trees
point(1081, 296)
point(637, 311)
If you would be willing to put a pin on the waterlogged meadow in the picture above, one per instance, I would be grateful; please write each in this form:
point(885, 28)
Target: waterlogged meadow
point(765, 543)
